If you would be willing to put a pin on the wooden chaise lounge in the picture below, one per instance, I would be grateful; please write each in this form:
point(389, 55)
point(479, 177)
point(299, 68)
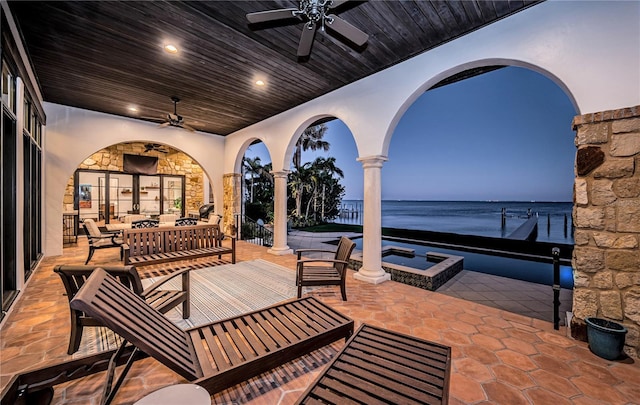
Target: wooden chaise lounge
point(378, 366)
point(217, 355)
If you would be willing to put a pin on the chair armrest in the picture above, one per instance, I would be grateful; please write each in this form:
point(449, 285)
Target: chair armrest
point(301, 263)
point(300, 251)
point(165, 279)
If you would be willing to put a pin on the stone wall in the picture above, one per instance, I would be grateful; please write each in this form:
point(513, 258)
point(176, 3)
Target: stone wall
point(173, 162)
point(606, 215)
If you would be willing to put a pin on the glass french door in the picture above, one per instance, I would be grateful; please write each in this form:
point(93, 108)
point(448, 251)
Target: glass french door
point(107, 196)
point(149, 195)
point(173, 195)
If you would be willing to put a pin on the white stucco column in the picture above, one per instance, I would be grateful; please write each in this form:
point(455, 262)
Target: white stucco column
point(280, 215)
point(371, 270)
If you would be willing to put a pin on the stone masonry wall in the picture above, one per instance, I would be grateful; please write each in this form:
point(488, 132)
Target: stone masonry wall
point(173, 162)
point(606, 215)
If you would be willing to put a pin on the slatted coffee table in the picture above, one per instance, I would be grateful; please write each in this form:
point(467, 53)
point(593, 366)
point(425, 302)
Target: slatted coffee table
point(378, 366)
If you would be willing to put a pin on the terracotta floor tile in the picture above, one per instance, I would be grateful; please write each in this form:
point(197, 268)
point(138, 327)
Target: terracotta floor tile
point(473, 369)
point(556, 352)
point(488, 342)
point(540, 395)
point(512, 376)
point(481, 354)
point(499, 393)
point(595, 389)
point(494, 331)
point(600, 373)
point(516, 360)
point(466, 389)
point(554, 383)
point(558, 366)
point(519, 346)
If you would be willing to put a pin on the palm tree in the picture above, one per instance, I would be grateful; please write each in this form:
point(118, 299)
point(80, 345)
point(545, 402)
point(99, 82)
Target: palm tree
point(321, 172)
point(300, 181)
point(252, 167)
point(311, 139)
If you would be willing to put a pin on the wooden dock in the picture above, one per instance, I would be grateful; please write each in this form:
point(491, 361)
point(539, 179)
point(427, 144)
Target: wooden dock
point(526, 231)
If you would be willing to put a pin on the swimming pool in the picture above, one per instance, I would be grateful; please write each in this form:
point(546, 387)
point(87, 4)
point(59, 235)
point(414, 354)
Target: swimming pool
point(535, 272)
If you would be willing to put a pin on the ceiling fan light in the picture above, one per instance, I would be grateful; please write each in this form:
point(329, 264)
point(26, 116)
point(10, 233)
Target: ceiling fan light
point(260, 82)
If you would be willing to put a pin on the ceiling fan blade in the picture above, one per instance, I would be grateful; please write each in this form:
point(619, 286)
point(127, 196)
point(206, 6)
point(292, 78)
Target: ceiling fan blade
point(164, 125)
point(306, 39)
point(337, 3)
point(188, 127)
point(271, 15)
point(347, 30)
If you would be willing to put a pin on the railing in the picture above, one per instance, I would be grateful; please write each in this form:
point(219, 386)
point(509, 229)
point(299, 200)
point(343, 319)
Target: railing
point(253, 231)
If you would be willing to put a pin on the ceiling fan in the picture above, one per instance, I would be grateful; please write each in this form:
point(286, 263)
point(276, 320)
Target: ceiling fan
point(315, 13)
point(174, 120)
point(148, 147)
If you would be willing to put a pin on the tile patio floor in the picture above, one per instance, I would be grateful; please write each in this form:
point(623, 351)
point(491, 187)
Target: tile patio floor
point(499, 357)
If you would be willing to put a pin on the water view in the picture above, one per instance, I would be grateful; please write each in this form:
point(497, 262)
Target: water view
point(478, 218)
point(481, 218)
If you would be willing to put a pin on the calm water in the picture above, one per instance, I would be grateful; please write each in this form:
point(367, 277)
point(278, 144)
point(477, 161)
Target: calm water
point(476, 218)
point(471, 217)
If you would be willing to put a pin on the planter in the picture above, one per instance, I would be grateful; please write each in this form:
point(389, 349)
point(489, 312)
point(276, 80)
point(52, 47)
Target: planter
point(606, 338)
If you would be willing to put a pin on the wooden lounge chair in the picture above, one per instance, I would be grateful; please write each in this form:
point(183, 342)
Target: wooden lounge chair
point(217, 355)
point(379, 366)
point(100, 240)
point(316, 272)
point(74, 277)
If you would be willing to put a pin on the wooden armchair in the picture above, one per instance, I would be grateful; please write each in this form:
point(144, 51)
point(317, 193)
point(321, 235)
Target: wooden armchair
point(145, 223)
point(74, 277)
point(316, 272)
point(101, 240)
point(186, 221)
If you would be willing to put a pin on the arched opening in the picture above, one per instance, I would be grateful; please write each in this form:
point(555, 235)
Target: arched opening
point(257, 195)
point(319, 187)
point(135, 179)
point(477, 157)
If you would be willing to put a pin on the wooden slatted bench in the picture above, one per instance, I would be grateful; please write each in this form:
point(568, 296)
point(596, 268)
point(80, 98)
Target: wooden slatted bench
point(378, 366)
point(217, 355)
point(158, 245)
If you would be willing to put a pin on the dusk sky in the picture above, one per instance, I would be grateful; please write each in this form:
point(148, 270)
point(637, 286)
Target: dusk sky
point(504, 135)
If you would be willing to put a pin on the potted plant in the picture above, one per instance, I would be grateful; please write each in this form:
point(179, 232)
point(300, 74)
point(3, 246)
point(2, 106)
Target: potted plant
point(606, 338)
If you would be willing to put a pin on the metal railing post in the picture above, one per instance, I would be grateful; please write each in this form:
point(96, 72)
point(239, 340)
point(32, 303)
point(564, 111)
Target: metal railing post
point(555, 252)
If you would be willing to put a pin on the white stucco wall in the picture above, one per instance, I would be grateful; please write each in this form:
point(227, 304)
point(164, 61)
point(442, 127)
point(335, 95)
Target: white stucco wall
point(591, 49)
point(73, 134)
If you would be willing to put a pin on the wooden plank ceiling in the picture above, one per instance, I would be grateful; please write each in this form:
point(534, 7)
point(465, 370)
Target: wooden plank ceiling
point(105, 56)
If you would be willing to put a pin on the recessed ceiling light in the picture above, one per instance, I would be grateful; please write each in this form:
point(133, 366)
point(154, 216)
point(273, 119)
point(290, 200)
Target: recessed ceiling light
point(260, 82)
point(133, 109)
point(170, 48)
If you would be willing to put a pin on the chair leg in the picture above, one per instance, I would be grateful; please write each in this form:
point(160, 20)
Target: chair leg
point(299, 290)
point(344, 293)
point(121, 253)
point(91, 250)
point(75, 338)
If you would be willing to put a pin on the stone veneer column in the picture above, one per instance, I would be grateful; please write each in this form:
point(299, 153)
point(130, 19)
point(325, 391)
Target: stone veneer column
point(371, 270)
point(280, 215)
point(231, 201)
point(606, 216)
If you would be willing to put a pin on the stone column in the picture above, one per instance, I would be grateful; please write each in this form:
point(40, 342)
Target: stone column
point(231, 188)
point(371, 270)
point(606, 215)
point(280, 215)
